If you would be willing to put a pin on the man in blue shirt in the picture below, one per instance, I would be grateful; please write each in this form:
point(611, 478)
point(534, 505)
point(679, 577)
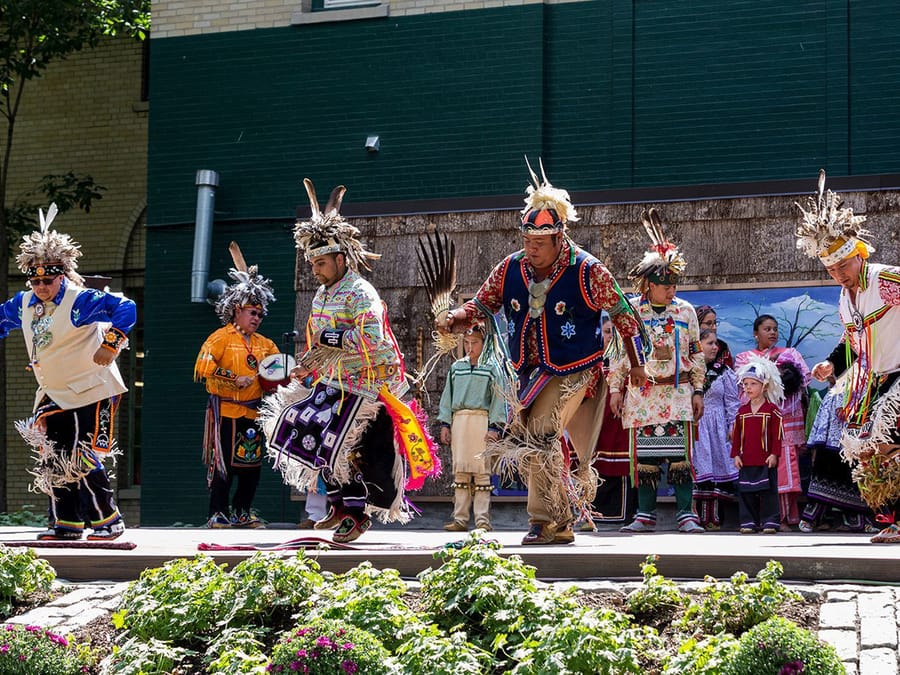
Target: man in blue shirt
point(73, 336)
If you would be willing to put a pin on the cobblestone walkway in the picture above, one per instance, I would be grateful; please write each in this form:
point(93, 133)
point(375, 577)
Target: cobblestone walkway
point(860, 621)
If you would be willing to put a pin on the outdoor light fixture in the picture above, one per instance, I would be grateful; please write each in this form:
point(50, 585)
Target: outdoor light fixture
point(373, 143)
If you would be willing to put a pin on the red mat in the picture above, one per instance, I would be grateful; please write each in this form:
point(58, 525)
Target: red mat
point(291, 545)
point(75, 543)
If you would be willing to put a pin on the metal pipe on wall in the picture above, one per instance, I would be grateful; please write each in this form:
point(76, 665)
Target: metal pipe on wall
point(207, 181)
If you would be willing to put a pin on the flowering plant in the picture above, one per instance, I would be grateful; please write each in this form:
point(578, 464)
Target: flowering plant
point(32, 650)
point(328, 646)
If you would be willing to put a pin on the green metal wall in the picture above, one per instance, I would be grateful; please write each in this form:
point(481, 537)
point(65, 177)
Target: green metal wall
point(612, 94)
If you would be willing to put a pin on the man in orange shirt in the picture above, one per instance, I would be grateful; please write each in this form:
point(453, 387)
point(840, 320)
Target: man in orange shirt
point(229, 363)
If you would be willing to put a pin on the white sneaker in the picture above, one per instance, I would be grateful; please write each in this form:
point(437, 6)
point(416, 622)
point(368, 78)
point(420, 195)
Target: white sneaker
point(691, 527)
point(638, 526)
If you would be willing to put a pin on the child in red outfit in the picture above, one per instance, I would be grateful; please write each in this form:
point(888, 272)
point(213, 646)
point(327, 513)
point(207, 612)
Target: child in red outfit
point(756, 447)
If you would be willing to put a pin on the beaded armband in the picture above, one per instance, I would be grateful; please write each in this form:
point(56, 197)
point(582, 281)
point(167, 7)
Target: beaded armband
point(636, 343)
point(332, 338)
point(224, 374)
point(114, 340)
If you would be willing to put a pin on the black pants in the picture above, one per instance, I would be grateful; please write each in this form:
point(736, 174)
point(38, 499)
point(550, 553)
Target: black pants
point(239, 467)
point(373, 481)
point(83, 431)
point(616, 500)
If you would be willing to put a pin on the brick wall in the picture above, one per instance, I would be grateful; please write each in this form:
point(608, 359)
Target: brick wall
point(179, 18)
point(85, 115)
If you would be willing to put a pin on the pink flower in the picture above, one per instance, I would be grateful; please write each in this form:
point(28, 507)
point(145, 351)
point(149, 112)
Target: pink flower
point(303, 631)
point(349, 666)
point(4, 648)
point(301, 654)
point(347, 646)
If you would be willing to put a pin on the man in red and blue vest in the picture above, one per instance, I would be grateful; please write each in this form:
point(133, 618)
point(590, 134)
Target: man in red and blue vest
point(552, 294)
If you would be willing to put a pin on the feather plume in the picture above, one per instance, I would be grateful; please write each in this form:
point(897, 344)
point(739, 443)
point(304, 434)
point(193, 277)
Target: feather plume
point(827, 221)
point(239, 263)
point(45, 246)
point(249, 287)
point(437, 269)
point(662, 258)
point(767, 372)
point(542, 195)
point(330, 230)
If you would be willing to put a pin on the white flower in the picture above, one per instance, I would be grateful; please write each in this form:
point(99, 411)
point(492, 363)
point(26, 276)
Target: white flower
point(560, 308)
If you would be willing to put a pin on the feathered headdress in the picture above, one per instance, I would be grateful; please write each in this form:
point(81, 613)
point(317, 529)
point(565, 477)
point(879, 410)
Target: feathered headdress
point(765, 371)
point(662, 262)
point(547, 209)
point(249, 287)
point(329, 232)
point(47, 252)
point(830, 232)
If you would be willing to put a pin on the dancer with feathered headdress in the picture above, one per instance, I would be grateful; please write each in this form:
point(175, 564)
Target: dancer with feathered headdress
point(869, 308)
point(228, 363)
point(552, 293)
point(343, 419)
point(661, 415)
point(73, 336)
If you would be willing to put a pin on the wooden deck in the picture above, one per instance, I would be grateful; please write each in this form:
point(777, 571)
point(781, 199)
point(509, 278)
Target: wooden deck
point(812, 557)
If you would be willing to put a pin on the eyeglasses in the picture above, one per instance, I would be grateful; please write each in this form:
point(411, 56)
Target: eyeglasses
point(42, 281)
point(709, 323)
point(255, 312)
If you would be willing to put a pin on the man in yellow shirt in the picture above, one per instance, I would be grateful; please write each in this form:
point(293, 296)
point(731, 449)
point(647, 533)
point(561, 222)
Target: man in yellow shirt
point(229, 363)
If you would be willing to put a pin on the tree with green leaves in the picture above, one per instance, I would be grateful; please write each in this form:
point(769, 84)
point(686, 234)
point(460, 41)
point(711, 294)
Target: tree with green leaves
point(34, 34)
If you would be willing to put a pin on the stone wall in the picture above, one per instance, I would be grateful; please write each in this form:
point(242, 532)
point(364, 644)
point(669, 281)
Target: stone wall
point(745, 241)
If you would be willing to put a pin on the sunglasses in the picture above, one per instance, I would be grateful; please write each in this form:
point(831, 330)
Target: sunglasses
point(255, 312)
point(42, 281)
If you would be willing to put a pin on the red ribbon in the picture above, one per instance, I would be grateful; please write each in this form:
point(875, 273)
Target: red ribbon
point(885, 518)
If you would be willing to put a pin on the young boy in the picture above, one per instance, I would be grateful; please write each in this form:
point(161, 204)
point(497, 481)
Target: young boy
point(471, 415)
point(756, 446)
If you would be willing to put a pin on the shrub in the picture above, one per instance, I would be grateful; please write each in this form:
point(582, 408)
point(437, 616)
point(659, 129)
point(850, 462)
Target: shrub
point(781, 647)
point(32, 650)
point(430, 652)
point(658, 598)
point(238, 651)
point(587, 641)
point(182, 600)
point(370, 599)
point(147, 656)
point(329, 647)
point(21, 574)
point(737, 605)
point(266, 584)
point(701, 657)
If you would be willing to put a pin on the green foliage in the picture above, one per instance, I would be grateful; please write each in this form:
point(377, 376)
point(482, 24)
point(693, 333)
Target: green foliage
point(24, 517)
point(21, 574)
point(265, 584)
point(370, 599)
point(781, 647)
point(238, 651)
point(701, 657)
point(737, 605)
point(182, 600)
point(656, 595)
point(144, 656)
point(475, 582)
point(327, 647)
point(32, 650)
point(587, 641)
point(431, 652)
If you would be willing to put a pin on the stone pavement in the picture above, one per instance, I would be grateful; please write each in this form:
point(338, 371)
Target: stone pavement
point(861, 621)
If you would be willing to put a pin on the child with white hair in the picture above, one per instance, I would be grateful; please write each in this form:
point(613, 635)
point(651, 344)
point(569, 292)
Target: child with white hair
point(756, 446)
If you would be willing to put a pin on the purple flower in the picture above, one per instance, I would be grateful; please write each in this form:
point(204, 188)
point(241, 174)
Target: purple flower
point(349, 666)
point(10, 626)
point(303, 631)
point(4, 648)
point(347, 646)
point(33, 629)
point(294, 665)
point(325, 641)
point(21, 657)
